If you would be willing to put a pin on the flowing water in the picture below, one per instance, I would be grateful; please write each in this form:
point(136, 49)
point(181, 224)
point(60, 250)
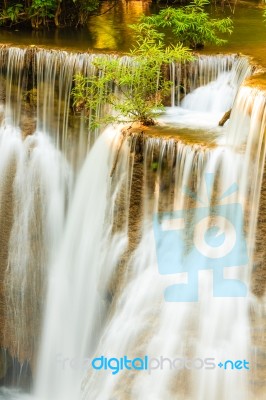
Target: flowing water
point(102, 254)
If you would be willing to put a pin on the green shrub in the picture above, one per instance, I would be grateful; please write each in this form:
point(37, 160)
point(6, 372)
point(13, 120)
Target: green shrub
point(191, 25)
point(141, 84)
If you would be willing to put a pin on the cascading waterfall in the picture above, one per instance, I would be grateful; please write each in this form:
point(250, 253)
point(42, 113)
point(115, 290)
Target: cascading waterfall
point(204, 106)
point(203, 71)
point(41, 180)
point(36, 183)
point(100, 257)
point(12, 68)
point(80, 274)
point(143, 323)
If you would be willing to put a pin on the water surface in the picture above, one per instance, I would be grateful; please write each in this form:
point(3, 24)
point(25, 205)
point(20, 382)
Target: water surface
point(109, 32)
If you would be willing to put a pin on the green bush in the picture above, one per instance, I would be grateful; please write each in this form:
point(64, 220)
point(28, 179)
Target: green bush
point(191, 25)
point(141, 84)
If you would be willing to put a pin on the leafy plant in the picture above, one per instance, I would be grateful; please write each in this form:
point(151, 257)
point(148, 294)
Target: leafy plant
point(12, 12)
point(86, 5)
point(43, 8)
point(40, 12)
point(84, 9)
point(191, 24)
point(135, 91)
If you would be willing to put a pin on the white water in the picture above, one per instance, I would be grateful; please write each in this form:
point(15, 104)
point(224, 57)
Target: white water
point(34, 182)
point(144, 324)
point(204, 107)
point(78, 277)
point(79, 321)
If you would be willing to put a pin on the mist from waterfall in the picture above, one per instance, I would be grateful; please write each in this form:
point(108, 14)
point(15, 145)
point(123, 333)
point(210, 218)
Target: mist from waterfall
point(79, 252)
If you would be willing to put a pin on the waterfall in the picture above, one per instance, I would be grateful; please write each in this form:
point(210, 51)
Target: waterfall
point(204, 70)
point(12, 66)
point(143, 323)
point(86, 217)
point(79, 276)
point(34, 181)
point(214, 94)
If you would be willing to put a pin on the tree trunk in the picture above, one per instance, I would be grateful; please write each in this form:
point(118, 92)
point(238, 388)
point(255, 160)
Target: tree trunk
point(57, 13)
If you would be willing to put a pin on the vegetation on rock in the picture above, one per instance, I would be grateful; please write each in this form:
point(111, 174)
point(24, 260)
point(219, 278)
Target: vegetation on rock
point(141, 84)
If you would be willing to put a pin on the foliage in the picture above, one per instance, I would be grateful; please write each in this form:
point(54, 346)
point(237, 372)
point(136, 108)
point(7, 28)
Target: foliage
point(43, 8)
point(190, 20)
point(141, 84)
point(43, 12)
point(83, 9)
point(85, 5)
point(13, 12)
point(191, 24)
